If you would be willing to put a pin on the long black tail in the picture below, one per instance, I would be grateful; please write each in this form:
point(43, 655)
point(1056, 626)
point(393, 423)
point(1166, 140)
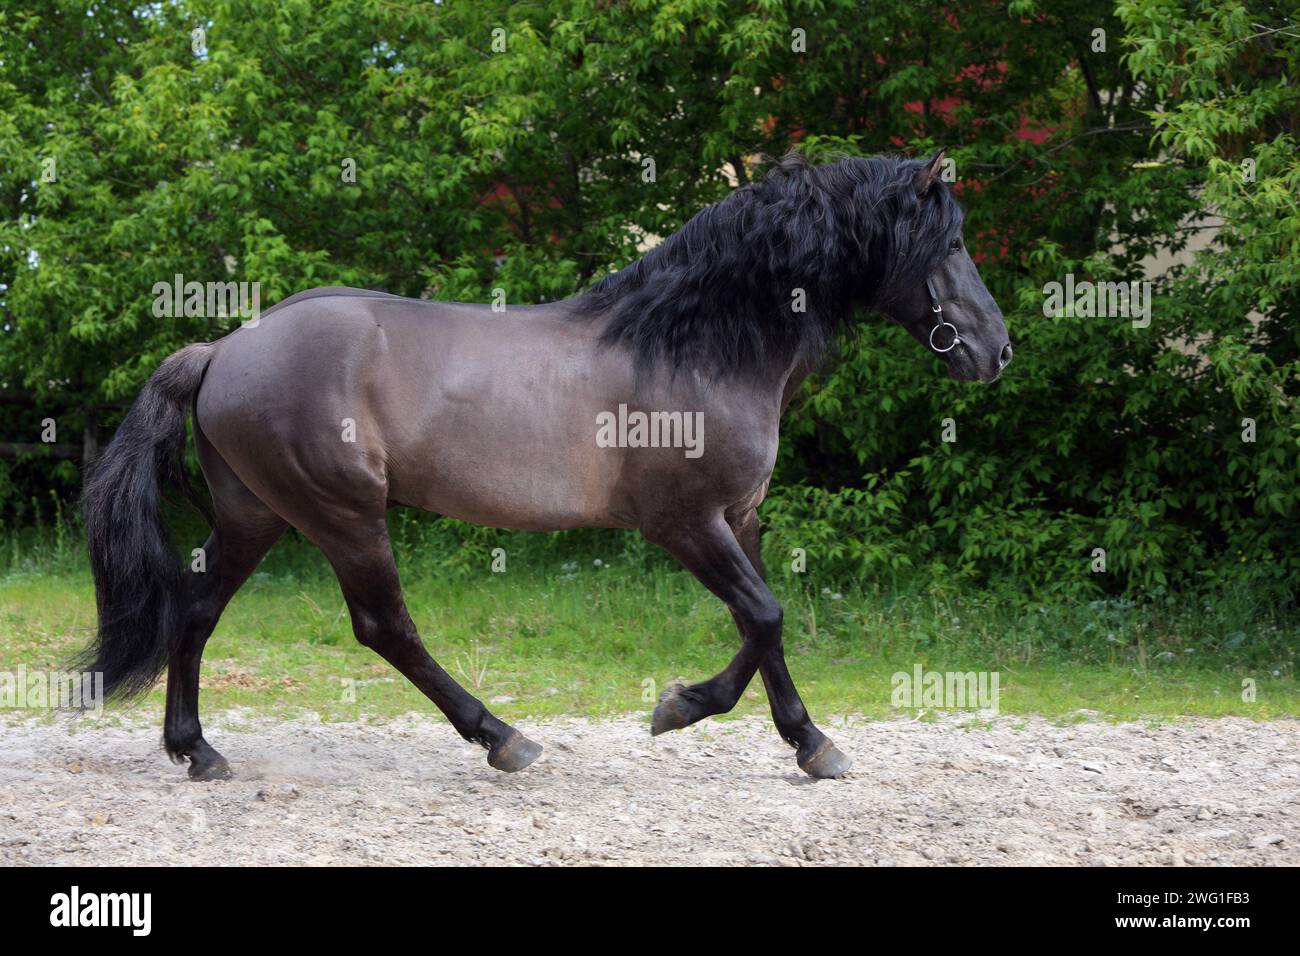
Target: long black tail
point(138, 580)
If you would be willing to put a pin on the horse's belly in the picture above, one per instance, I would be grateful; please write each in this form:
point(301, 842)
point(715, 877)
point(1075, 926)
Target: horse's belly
point(523, 486)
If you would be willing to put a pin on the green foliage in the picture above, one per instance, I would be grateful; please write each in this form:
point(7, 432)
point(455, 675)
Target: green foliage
point(517, 160)
point(1102, 434)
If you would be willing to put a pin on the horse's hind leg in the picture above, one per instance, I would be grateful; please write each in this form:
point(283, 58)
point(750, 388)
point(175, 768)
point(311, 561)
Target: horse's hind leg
point(244, 530)
point(713, 554)
point(242, 535)
point(230, 557)
point(362, 558)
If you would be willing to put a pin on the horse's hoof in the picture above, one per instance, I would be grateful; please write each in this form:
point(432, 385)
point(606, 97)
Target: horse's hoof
point(213, 769)
point(826, 763)
point(670, 712)
point(515, 753)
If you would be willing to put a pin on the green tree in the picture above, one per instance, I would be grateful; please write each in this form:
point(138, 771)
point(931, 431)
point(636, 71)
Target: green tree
point(532, 146)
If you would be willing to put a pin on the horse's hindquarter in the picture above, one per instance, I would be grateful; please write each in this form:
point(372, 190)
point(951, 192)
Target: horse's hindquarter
point(488, 417)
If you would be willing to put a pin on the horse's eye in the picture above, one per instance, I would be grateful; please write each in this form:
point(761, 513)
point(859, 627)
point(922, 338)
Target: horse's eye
point(954, 246)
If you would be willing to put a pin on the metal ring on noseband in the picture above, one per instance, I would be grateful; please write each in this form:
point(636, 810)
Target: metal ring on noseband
point(937, 308)
point(956, 339)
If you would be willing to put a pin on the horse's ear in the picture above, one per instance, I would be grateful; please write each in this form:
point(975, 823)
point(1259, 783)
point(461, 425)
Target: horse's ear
point(928, 173)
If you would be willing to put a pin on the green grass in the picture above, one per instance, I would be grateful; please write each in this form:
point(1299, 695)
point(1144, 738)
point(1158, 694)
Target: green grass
point(564, 638)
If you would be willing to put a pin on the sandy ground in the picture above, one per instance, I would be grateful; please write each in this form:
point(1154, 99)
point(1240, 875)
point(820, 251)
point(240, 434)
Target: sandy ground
point(411, 792)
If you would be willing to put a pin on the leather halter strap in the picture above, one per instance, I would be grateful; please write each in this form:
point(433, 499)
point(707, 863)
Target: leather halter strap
point(939, 322)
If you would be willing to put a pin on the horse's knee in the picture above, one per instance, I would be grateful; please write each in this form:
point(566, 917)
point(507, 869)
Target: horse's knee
point(764, 623)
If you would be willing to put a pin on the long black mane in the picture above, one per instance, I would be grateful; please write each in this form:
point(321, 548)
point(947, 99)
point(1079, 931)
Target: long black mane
point(718, 295)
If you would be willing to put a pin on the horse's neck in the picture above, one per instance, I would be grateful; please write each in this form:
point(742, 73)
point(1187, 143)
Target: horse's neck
point(792, 377)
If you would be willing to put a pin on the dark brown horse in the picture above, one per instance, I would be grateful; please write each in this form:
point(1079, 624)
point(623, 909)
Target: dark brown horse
point(341, 403)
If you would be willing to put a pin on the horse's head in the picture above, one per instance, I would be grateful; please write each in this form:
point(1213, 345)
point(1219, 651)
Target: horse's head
point(947, 309)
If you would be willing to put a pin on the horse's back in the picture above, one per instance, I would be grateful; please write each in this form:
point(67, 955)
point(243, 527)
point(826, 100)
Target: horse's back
point(434, 404)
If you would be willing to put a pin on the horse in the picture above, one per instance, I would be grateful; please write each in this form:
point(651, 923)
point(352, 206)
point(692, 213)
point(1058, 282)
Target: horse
point(340, 403)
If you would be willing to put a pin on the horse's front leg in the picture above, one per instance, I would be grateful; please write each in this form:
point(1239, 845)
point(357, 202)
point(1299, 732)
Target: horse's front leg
point(711, 552)
point(816, 754)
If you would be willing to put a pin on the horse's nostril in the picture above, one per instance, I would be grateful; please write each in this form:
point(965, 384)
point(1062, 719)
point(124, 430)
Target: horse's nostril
point(1005, 357)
